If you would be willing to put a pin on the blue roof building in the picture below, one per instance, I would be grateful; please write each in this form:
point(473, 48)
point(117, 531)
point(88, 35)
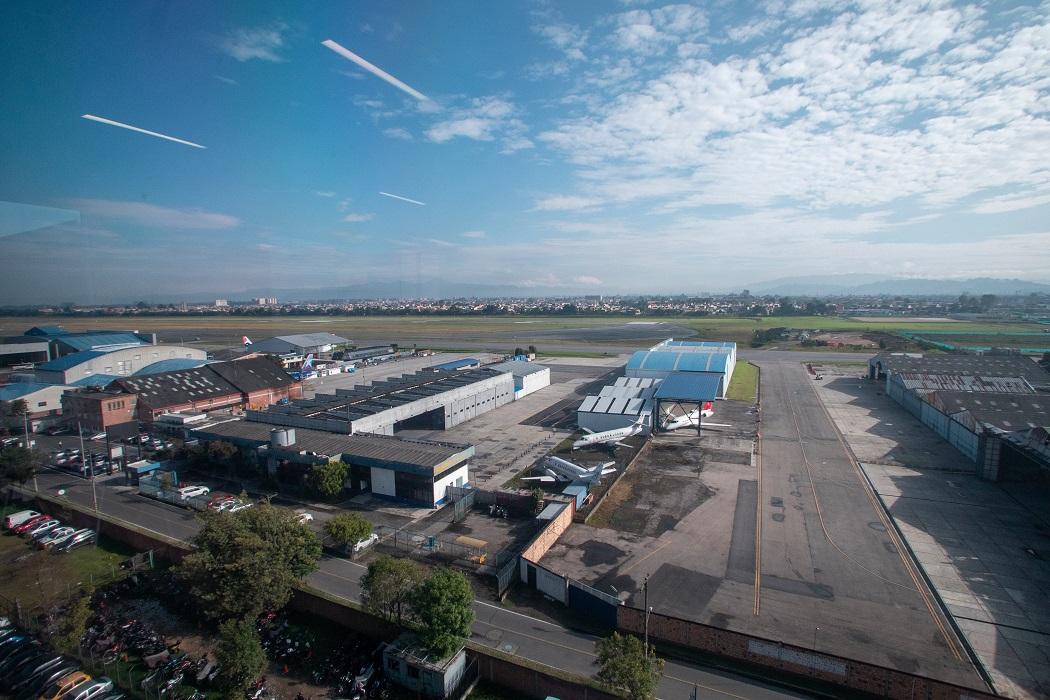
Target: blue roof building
point(660, 364)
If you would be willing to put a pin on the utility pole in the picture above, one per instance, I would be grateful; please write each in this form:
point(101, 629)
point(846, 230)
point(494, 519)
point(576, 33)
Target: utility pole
point(645, 596)
point(94, 494)
point(25, 421)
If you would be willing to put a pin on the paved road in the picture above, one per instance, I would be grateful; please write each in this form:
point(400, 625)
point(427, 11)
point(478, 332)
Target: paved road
point(531, 638)
point(832, 575)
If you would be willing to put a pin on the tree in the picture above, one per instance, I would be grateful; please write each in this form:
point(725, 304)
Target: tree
point(240, 655)
point(388, 586)
point(537, 500)
point(247, 563)
point(18, 465)
point(443, 603)
point(327, 480)
point(348, 528)
point(14, 415)
point(532, 349)
point(624, 666)
point(518, 351)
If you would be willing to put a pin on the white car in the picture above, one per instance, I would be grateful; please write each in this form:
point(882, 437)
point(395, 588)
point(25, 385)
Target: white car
point(302, 517)
point(238, 507)
point(366, 542)
point(187, 492)
point(16, 519)
point(97, 436)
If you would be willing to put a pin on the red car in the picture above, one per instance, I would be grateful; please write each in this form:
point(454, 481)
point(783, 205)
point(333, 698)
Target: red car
point(19, 529)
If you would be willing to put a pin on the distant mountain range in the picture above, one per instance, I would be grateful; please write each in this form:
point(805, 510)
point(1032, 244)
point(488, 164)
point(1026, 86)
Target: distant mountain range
point(874, 285)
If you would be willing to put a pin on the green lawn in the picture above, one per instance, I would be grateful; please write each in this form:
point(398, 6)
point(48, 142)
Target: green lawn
point(38, 578)
point(744, 385)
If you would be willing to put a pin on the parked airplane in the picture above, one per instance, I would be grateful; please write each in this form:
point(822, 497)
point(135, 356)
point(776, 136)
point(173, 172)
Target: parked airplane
point(558, 469)
point(610, 436)
point(306, 371)
point(246, 341)
point(670, 422)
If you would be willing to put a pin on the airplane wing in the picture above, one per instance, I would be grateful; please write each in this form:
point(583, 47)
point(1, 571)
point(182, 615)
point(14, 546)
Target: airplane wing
point(544, 479)
point(717, 425)
point(587, 430)
point(608, 471)
point(621, 444)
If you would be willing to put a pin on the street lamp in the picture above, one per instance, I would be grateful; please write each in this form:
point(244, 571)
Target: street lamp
point(648, 612)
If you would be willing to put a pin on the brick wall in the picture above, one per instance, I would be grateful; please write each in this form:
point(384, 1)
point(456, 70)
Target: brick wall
point(546, 538)
point(785, 658)
point(531, 682)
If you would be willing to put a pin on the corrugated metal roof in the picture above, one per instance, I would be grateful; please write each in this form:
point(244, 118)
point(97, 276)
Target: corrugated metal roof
point(690, 387)
point(70, 361)
point(696, 345)
point(387, 450)
point(46, 331)
point(977, 365)
point(518, 368)
point(588, 403)
point(105, 339)
point(1009, 412)
point(964, 382)
point(714, 361)
point(97, 380)
point(170, 365)
point(456, 364)
point(12, 392)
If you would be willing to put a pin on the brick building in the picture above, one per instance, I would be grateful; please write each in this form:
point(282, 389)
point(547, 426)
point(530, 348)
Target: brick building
point(98, 410)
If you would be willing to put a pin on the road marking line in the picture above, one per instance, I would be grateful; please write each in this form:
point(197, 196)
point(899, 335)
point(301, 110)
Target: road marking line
point(758, 533)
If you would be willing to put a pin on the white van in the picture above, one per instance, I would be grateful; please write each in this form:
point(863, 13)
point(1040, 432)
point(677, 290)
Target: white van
point(190, 491)
point(16, 519)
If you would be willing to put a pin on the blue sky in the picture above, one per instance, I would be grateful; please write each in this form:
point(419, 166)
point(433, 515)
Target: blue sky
point(606, 147)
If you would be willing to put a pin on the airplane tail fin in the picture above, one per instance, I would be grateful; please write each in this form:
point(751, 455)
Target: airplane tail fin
point(246, 340)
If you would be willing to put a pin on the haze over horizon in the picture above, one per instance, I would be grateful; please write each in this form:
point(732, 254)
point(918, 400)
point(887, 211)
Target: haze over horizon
point(609, 148)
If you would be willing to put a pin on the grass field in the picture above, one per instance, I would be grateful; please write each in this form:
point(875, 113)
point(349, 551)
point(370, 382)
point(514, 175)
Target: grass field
point(511, 328)
point(37, 578)
point(744, 385)
point(997, 340)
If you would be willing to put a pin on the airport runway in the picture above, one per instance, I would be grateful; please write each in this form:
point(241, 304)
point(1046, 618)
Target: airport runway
point(832, 575)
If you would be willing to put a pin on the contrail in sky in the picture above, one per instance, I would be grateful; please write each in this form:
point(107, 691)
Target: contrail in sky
point(374, 70)
point(102, 120)
point(403, 199)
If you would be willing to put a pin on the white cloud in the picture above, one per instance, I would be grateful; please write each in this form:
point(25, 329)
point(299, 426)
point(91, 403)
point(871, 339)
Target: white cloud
point(654, 30)
point(324, 193)
point(484, 119)
point(587, 281)
point(224, 79)
point(397, 132)
point(563, 202)
point(567, 38)
point(263, 43)
point(153, 215)
point(1011, 202)
point(473, 234)
point(266, 247)
point(357, 218)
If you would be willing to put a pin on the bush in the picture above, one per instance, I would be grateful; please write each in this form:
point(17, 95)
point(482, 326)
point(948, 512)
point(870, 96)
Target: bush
point(327, 480)
point(348, 528)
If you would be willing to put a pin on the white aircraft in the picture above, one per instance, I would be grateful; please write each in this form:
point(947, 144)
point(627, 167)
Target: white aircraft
point(245, 340)
point(558, 469)
point(687, 420)
point(613, 436)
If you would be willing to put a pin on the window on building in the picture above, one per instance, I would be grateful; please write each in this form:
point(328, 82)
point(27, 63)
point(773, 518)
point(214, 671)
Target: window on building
point(41, 404)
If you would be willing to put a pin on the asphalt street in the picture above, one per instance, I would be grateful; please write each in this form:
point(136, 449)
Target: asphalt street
point(832, 575)
point(532, 638)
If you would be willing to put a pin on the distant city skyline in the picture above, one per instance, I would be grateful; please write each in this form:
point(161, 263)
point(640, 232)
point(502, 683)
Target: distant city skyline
point(606, 148)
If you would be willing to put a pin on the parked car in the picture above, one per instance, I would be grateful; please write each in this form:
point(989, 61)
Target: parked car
point(89, 691)
point(18, 518)
point(48, 663)
point(238, 507)
point(76, 540)
point(42, 528)
point(97, 436)
point(56, 536)
point(24, 526)
point(187, 492)
point(218, 498)
point(58, 430)
point(366, 542)
point(32, 687)
point(64, 685)
point(302, 517)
